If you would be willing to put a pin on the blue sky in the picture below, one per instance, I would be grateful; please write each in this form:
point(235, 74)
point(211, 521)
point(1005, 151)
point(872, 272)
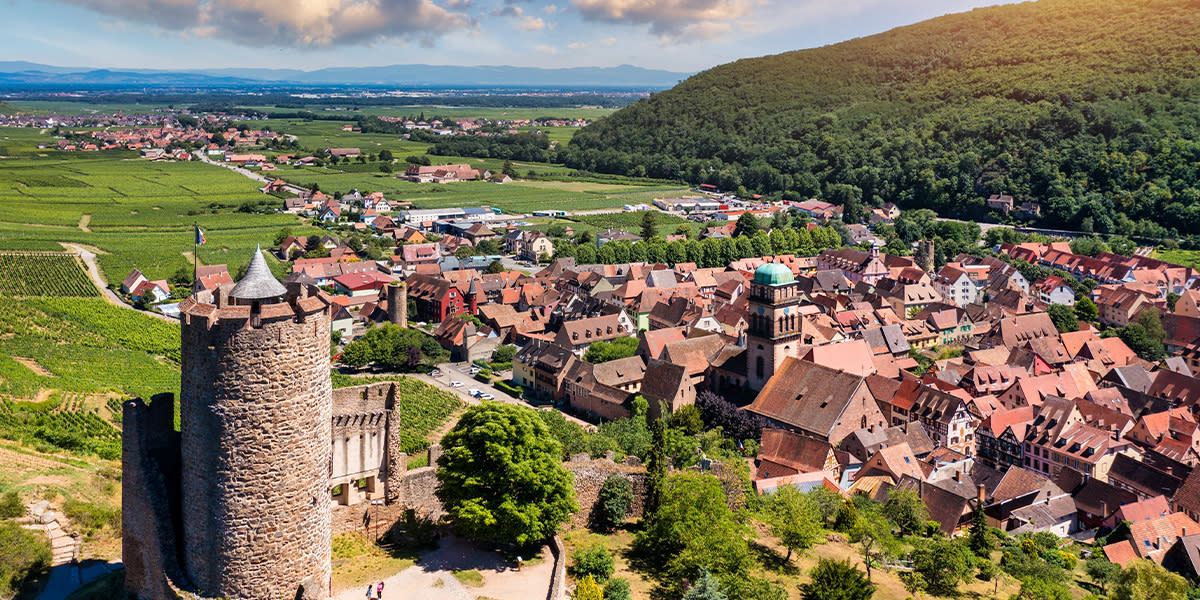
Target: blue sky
point(677, 35)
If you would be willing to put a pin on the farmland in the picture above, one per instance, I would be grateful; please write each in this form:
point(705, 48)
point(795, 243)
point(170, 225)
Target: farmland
point(84, 345)
point(43, 274)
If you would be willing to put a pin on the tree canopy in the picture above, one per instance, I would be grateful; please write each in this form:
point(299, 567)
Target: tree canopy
point(500, 477)
point(1056, 102)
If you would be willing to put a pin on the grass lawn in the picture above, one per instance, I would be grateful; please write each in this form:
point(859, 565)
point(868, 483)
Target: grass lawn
point(1187, 258)
point(357, 561)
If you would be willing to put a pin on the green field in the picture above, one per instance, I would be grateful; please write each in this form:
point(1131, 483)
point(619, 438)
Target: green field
point(135, 213)
point(43, 274)
point(1187, 258)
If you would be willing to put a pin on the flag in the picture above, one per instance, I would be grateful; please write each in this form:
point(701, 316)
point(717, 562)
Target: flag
point(199, 237)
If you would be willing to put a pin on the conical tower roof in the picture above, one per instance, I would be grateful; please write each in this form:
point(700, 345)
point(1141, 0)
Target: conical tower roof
point(258, 283)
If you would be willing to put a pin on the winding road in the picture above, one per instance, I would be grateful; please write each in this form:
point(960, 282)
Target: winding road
point(93, 271)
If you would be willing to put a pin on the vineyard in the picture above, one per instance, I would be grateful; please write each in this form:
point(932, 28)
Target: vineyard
point(57, 425)
point(56, 274)
point(421, 408)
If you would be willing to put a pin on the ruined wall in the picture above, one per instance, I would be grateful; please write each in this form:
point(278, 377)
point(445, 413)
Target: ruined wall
point(149, 454)
point(256, 417)
point(415, 489)
point(590, 475)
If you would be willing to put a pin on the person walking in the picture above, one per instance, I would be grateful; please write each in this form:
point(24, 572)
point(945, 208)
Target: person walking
point(370, 591)
point(379, 591)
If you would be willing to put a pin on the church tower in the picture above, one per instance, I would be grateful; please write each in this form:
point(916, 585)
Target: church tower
point(774, 322)
point(255, 410)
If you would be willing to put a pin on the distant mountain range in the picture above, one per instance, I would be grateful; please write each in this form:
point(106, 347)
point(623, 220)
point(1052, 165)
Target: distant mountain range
point(21, 73)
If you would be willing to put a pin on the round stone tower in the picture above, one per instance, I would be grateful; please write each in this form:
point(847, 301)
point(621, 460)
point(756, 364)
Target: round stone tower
point(255, 416)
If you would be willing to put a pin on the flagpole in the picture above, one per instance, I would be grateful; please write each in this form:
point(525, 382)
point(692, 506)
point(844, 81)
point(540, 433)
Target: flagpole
point(195, 255)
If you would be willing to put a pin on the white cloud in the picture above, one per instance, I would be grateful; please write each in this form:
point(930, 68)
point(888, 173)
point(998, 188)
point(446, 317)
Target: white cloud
point(531, 24)
point(667, 18)
point(508, 11)
point(577, 45)
point(303, 23)
point(544, 49)
point(550, 9)
point(608, 42)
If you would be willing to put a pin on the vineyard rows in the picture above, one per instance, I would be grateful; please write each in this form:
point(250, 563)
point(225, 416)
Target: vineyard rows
point(44, 274)
point(48, 428)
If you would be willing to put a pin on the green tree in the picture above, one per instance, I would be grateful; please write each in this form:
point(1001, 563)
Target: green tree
point(1042, 589)
point(385, 167)
point(1102, 571)
point(1063, 317)
point(706, 587)
point(942, 563)
point(613, 503)
point(504, 353)
point(649, 224)
point(283, 234)
point(656, 467)
point(836, 580)
point(747, 224)
point(794, 519)
point(495, 267)
point(385, 155)
point(509, 169)
point(1086, 310)
point(605, 351)
point(1172, 298)
point(980, 538)
point(593, 560)
point(500, 477)
point(694, 529)
point(1143, 579)
point(906, 509)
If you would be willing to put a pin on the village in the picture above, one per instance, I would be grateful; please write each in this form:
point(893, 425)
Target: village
point(867, 371)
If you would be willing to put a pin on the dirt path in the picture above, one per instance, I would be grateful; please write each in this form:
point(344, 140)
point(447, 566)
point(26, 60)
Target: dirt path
point(67, 574)
point(83, 223)
point(433, 577)
point(93, 271)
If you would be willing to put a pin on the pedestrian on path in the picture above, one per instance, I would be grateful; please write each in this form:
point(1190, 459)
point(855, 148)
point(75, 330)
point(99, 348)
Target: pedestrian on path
point(379, 590)
point(370, 591)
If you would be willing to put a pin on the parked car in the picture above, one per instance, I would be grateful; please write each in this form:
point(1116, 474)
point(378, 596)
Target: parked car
point(456, 384)
point(474, 392)
point(474, 370)
point(486, 397)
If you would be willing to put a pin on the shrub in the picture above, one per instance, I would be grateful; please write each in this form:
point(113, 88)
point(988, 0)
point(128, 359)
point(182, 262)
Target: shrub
point(91, 517)
point(617, 589)
point(593, 561)
point(587, 589)
point(11, 506)
point(614, 502)
point(22, 554)
point(508, 388)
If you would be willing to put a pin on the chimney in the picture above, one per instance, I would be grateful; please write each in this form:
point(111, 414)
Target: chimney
point(958, 476)
point(981, 494)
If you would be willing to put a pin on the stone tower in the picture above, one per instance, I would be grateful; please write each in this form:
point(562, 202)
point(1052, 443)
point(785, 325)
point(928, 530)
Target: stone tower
point(255, 412)
point(397, 299)
point(774, 328)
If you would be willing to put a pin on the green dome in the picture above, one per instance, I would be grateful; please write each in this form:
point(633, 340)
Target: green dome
point(773, 274)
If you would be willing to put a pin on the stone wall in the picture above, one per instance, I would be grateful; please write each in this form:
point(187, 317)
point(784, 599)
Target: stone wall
point(558, 577)
point(149, 473)
point(405, 489)
point(590, 475)
point(256, 415)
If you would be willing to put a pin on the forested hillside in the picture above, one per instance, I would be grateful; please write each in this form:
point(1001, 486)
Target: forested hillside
point(1090, 107)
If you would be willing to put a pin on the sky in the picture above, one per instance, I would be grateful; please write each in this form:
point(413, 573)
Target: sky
point(675, 35)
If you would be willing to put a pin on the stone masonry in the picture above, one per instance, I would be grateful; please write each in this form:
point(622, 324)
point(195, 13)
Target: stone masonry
point(255, 414)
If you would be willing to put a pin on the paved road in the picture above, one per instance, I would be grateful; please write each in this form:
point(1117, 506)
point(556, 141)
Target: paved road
point(252, 175)
point(93, 271)
point(461, 372)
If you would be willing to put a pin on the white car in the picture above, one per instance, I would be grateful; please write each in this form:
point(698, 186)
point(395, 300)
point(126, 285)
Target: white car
point(486, 397)
point(456, 384)
point(474, 392)
point(474, 370)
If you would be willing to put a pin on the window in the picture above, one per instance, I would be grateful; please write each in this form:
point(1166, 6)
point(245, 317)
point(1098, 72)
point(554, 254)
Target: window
point(864, 422)
point(758, 366)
